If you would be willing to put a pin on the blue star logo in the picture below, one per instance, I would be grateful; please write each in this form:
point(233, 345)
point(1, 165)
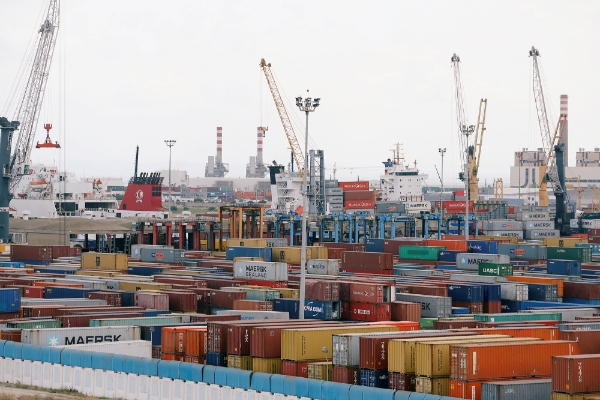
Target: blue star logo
point(53, 341)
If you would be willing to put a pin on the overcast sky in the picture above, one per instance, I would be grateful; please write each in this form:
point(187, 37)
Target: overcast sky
point(139, 72)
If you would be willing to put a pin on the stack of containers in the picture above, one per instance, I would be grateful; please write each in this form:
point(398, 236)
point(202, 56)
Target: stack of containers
point(504, 228)
point(594, 235)
point(335, 198)
point(322, 300)
point(261, 252)
point(468, 296)
point(358, 197)
point(364, 262)
point(538, 225)
point(371, 302)
point(427, 255)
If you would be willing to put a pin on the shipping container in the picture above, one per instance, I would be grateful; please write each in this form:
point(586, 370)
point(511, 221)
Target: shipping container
point(376, 379)
point(152, 300)
point(502, 234)
point(137, 286)
point(325, 310)
point(135, 248)
point(582, 290)
point(523, 251)
point(420, 252)
point(323, 267)
point(514, 291)
point(253, 305)
point(239, 362)
point(405, 311)
point(322, 290)
point(576, 373)
point(254, 252)
point(349, 375)
point(266, 365)
point(58, 292)
point(136, 321)
point(33, 324)
point(588, 340)
point(541, 234)
point(112, 298)
point(507, 317)
point(180, 301)
point(10, 300)
point(502, 225)
point(133, 348)
point(359, 259)
point(403, 382)
point(568, 242)
point(431, 306)
point(465, 292)
point(570, 253)
point(370, 312)
point(564, 267)
point(355, 185)
point(434, 386)
point(493, 269)
point(483, 246)
point(532, 389)
point(104, 261)
point(543, 292)
point(167, 256)
point(293, 255)
point(249, 315)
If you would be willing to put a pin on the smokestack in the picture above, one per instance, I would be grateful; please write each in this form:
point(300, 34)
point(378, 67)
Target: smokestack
point(259, 145)
point(219, 158)
point(564, 109)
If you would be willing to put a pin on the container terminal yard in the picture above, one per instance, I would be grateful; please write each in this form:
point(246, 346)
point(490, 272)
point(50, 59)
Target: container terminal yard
point(294, 284)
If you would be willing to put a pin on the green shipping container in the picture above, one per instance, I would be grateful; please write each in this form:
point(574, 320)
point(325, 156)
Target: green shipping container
point(144, 321)
point(569, 253)
point(429, 253)
point(494, 269)
point(504, 317)
point(261, 294)
point(427, 323)
point(36, 324)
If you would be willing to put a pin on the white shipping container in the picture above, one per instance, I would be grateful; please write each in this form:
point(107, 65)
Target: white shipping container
point(323, 267)
point(517, 234)
point(261, 270)
point(135, 248)
point(478, 278)
point(255, 315)
point(533, 216)
point(471, 261)
point(540, 234)
point(87, 284)
point(277, 242)
point(53, 337)
point(586, 223)
point(133, 348)
point(30, 301)
point(501, 225)
point(540, 225)
point(514, 291)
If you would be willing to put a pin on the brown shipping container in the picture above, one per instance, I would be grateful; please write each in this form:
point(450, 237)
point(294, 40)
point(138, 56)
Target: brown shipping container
point(225, 298)
point(322, 290)
point(492, 307)
point(393, 245)
point(576, 374)
point(83, 321)
point(37, 252)
point(253, 305)
point(10, 334)
point(429, 290)
point(93, 310)
point(345, 246)
point(180, 281)
point(40, 311)
point(370, 293)
point(112, 298)
point(589, 341)
point(355, 259)
point(399, 381)
point(214, 283)
point(203, 297)
point(213, 318)
point(369, 312)
point(582, 290)
point(334, 253)
point(454, 324)
point(349, 375)
point(481, 324)
point(152, 300)
point(405, 311)
point(359, 195)
point(507, 360)
point(345, 310)
point(344, 288)
point(181, 301)
point(474, 308)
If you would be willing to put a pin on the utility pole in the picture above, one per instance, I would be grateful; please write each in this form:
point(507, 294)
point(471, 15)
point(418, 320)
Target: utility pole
point(442, 152)
point(309, 105)
point(170, 143)
point(467, 131)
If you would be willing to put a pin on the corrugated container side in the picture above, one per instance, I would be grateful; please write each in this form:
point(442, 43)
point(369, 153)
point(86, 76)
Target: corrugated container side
point(525, 389)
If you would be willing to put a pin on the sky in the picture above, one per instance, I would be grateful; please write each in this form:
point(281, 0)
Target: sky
point(129, 73)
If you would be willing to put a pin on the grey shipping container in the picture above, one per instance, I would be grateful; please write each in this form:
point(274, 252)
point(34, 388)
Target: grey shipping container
point(28, 301)
point(335, 199)
point(540, 234)
point(334, 191)
point(523, 251)
point(533, 389)
point(277, 242)
point(135, 248)
point(502, 225)
point(478, 278)
point(168, 256)
point(431, 306)
point(250, 315)
point(540, 225)
point(142, 321)
point(471, 261)
point(533, 216)
point(517, 234)
point(388, 207)
point(568, 314)
point(336, 207)
point(71, 336)
point(514, 291)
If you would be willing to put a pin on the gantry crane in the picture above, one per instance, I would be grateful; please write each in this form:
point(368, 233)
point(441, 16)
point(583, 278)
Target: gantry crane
point(470, 157)
point(15, 160)
point(285, 119)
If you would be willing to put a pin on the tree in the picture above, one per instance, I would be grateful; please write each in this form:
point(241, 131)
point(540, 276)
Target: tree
point(262, 202)
point(173, 208)
point(212, 209)
point(198, 200)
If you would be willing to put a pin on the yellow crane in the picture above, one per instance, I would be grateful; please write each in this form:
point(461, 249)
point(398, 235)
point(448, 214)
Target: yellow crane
point(547, 168)
point(475, 152)
point(283, 115)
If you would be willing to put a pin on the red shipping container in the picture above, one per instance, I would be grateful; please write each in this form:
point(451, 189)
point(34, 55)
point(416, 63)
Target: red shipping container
point(492, 307)
point(203, 297)
point(334, 253)
point(576, 373)
point(10, 334)
point(359, 195)
point(405, 382)
point(466, 389)
point(393, 245)
point(441, 291)
point(225, 298)
point(345, 311)
point(345, 246)
point(456, 245)
point(455, 324)
point(372, 261)
point(507, 360)
point(180, 281)
point(455, 206)
point(322, 290)
point(589, 341)
point(370, 312)
point(83, 321)
point(582, 290)
point(269, 284)
point(253, 305)
point(9, 316)
point(474, 308)
point(195, 342)
point(359, 204)
point(40, 310)
point(214, 283)
point(208, 317)
point(354, 185)
point(405, 311)
point(367, 271)
point(180, 301)
point(112, 298)
point(349, 375)
point(151, 300)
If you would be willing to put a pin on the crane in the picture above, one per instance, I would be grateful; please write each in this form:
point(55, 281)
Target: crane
point(283, 115)
point(470, 158)
point(548, 169)
point(16, 159)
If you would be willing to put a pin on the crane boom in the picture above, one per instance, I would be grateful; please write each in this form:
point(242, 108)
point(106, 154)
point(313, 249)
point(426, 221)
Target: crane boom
point(475, 152)
point(29, 109)
point(461, 118)
point(283, 115)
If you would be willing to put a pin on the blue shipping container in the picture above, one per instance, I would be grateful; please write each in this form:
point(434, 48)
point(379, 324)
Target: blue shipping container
point(460, 310)
point(448, 255)
point(378, 379)
point(58, 292)
point(541, 292)
point(291, 306)
point(483, 246)
point(127, 298)
point(153, 333)
point(10, 300)
point(12, 264)
point(446, 267)
point(144, 270)
point(374, 245)
point(564, 267)
point(465, 292)
point(491, 292)
point(326, 310)
point(242, 251)
point(593, 302)
point(523, 251)
point(216, 359)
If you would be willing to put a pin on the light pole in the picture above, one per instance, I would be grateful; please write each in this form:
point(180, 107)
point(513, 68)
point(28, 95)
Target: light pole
point(309, 105)
point(520, 162)
point(170, 143)
point(442, 152)
point(467, 131)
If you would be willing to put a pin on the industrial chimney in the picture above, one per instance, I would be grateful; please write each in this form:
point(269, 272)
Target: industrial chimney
point(564, 109)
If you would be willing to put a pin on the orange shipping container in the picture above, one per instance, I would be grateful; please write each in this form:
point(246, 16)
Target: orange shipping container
point(540, 332)
point(457, 245)
point(168, 340)
point(195, 342)
point(45, 284)
point(560, 284)
point(507, 360)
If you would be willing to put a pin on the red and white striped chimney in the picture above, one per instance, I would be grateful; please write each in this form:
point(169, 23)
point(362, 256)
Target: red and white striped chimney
point(564, 109)
point(219, 159)
point(259, 145)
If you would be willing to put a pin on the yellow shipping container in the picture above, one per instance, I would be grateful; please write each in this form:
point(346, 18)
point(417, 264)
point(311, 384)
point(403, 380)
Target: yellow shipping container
point(317, 253)
point(562, 242)
point(4, 248)
point(433, 357)
point(566, 396)
point(307, 343)
point(293, 254)
point(104, 261)
point(320, 370)
point(289, 293)
point(136, 286)
point(402, 352)
point(239, 362)
point(246, 242)
point(510, 239)
point(248, 259)
point(266, 365)
point(437, 386)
